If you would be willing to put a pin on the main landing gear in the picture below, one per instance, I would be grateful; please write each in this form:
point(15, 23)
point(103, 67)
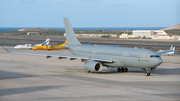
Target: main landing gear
point(122, 69)
point(148, 72)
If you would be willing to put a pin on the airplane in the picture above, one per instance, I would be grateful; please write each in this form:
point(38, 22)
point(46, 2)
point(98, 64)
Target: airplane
point(95, 57)
point(49, 47)
point(29, 46)
point(168, 53)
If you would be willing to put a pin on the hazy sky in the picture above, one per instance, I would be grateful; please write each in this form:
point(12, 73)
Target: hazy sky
point(90, 13)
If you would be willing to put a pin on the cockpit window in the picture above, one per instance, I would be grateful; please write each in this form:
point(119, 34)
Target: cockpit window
point(154, 56)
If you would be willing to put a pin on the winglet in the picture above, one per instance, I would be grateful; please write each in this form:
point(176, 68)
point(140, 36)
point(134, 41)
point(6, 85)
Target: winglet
point(6, 49)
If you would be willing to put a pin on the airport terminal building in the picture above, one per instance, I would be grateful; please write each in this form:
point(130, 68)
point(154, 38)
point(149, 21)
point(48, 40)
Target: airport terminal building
point(150, 34)
point(147, 33)
point(94, 35)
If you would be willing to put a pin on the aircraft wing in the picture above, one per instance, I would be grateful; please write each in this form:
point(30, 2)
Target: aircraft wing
point(166, 51)
point(62, 56)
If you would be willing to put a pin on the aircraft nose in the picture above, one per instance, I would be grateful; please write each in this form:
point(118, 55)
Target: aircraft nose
point(159, 61)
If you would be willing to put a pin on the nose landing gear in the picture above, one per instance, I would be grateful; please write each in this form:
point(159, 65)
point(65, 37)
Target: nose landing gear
point(148, 72)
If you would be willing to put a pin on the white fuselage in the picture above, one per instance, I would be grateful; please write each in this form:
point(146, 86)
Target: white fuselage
point(23, 46)
point(168, 53)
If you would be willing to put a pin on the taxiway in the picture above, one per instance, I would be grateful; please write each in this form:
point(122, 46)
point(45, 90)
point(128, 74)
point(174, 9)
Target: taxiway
point(32, 78)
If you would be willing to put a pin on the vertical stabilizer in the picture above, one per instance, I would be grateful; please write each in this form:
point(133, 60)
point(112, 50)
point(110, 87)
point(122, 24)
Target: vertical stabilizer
point(63, 43)
point(70, 35)
point(46, 42)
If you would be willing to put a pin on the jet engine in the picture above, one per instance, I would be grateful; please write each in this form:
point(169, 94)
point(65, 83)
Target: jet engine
point(93, 66)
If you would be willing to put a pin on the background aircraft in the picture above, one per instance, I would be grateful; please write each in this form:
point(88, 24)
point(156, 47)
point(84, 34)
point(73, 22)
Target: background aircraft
point(95, 57)
point(49, 47)
point(29, 46)
point(168, 53)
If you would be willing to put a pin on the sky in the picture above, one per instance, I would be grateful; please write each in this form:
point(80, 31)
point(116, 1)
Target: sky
point(89, 13)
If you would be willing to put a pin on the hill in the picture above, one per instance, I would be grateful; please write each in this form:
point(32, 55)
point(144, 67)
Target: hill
point(173, 27)
point(35, 29)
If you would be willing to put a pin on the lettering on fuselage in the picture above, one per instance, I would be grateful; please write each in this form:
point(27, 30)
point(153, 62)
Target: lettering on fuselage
point(39, 47)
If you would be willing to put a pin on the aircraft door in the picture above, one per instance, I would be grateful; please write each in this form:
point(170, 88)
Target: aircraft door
point(141, 61)
point(125, 54)
point(142, 56)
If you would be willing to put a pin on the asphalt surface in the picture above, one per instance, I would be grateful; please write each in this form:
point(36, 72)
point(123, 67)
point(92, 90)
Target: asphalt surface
point(35, 78)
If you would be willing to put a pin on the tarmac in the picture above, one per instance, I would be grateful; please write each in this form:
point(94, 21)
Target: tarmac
point(35, 78)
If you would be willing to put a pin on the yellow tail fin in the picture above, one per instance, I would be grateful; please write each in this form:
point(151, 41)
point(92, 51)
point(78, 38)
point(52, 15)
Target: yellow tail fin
point(63, 43)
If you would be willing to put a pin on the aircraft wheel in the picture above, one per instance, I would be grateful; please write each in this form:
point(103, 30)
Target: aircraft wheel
point(126, 70)
point(148, 71)
point(118, 70)
point(122, 69)
point(148, 74)
point(89, 71)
